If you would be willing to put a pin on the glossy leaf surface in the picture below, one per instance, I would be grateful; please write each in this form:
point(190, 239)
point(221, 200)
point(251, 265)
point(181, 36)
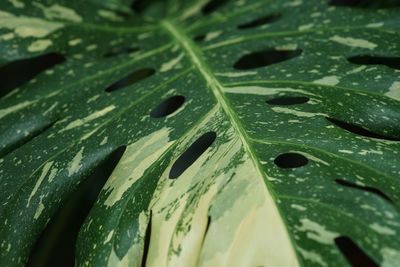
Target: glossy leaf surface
point(289, 126)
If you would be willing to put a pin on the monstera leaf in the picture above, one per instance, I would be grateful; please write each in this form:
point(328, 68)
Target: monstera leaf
point(250, 132)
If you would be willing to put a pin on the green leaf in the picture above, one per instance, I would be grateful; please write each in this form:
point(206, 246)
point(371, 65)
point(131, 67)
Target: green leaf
point(257, 133)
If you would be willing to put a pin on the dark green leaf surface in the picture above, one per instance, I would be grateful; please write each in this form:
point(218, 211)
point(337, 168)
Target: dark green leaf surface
point(306, 148)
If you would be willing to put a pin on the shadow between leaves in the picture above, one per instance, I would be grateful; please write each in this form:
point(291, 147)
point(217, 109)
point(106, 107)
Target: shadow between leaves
point(56, 244)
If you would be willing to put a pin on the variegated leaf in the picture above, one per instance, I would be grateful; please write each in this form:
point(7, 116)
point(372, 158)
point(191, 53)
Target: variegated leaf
point(257, 132)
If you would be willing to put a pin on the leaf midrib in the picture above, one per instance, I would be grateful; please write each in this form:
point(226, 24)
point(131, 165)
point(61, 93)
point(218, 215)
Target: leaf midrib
point(195, 56)
point(215, 19)
point(217, 89)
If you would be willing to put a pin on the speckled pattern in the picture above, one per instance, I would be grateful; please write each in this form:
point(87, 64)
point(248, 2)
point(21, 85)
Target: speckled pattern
point(58, 127)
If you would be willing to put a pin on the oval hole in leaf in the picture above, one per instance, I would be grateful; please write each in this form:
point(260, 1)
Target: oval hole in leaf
point(192, 154)
point(391, 62)
point(122, 51)
point(207, 227)
point(199, 38)
point(135, 77)
point(354, 255)
point(265, 58)
point(260, 21)
point(359, 130)
point(168, 106)
point(153, 9)
point(15, 74)
point(365, 188)
point(290, 160)
point(147, 240)
point(366, 3)
point(56, 244)
point(286, 101)
point(212, 6)
point(122, 13)
point(140, 5)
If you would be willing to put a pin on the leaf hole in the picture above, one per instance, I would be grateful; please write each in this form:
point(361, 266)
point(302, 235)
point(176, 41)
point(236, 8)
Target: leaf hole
point(354, 255)
point(199, 38)
point(207, 226)
point(206, 230)
point(56, 244)
point(168, 106)
point(122, 51)
point(147, 240)
point(290, 160)
point(213, 5)
point(265, 58)
point(391, 62)
point(139, 6)
point(192, 154)
point(132, 78)
point(17, 73)
point(359, 130)
point(366, 3)
point(260, 21)
point(365, 188)
point(286, 101)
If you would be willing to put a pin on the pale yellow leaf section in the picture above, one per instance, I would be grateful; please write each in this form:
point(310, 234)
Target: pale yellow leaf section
point(59, 12)
point(174, 203)
point(242, 213)
point(28, 26)
point(137, 158)
point(249, 232)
